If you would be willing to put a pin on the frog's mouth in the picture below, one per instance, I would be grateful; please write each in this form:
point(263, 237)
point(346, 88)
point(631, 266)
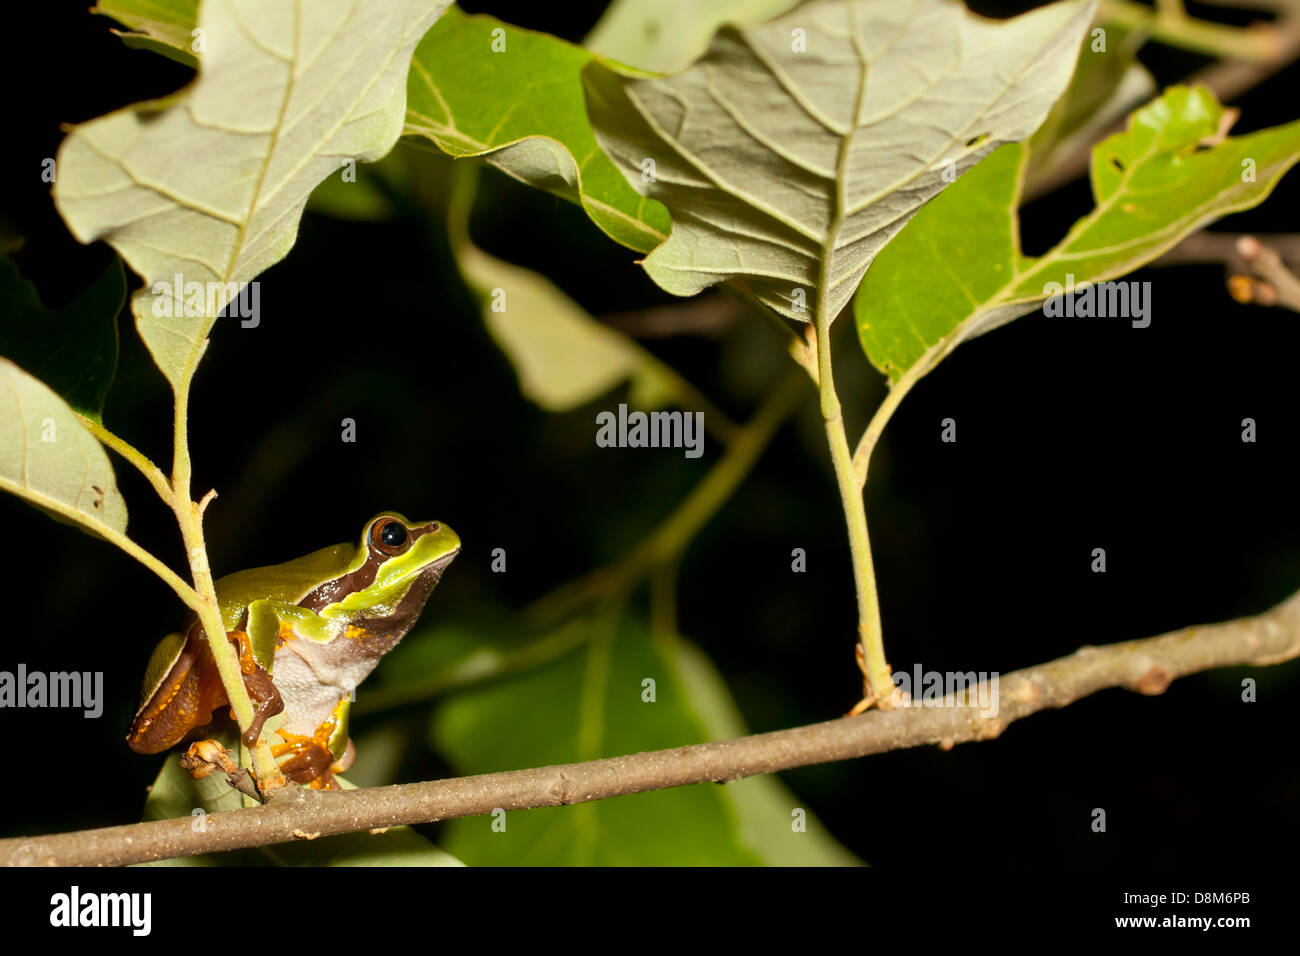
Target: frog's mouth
point(401, 616)
point(425, 580)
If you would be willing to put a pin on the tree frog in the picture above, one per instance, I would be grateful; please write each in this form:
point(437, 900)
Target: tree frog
point(308, 632)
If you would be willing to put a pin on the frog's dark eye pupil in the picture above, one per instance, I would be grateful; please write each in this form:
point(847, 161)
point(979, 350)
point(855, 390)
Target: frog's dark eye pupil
point(393, 535)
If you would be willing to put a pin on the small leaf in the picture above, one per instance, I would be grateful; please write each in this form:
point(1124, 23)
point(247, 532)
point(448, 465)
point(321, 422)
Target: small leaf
point(668, 35)
point(594, 703)
point(789, 166)
point(209, 184)
point(163, 26)
point(73, 350)
point(1106, 85)
point(957, 271)
point(563, 356)
point(48, 459)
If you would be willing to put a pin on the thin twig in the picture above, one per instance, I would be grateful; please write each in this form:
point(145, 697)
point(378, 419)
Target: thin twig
point(1144, 666)
point(708, 316)
point(1256, 264)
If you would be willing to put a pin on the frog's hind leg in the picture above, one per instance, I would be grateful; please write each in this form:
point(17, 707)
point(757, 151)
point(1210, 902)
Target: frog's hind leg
point(187, 689)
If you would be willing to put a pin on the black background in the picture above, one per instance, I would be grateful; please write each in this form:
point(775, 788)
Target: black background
point(1072, 435)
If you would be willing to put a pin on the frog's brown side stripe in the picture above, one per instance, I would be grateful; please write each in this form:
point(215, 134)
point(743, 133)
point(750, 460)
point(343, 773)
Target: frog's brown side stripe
point(334, 591)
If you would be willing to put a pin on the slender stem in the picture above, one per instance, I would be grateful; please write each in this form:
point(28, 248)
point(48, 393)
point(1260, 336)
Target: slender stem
point(888, 405)
point(143, 464)
point(879, 685)
point(116, 538)
point(855, 517)
point(473, 670)
point(1200, 36)
point(189, 516)
point(676, 532)
point(692, 399)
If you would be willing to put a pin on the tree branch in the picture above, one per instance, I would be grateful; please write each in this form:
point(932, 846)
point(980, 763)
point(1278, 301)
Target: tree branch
point(1144, 666)
point(1256, 264)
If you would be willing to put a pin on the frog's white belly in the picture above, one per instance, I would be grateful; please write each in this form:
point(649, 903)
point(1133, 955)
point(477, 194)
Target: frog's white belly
point(309, 699)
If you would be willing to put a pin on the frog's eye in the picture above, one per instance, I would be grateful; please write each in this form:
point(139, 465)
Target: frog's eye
point(389, 536)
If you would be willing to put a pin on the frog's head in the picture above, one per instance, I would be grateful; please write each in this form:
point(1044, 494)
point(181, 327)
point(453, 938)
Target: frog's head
point(397, 564)
point(407, 550)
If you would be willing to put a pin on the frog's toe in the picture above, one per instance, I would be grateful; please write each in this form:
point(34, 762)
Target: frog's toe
point(345, 762)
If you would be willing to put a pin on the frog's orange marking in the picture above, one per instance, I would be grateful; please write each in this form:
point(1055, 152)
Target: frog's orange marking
point(355, 633)
point(246, 662)
point(285, 633)
point(295, 745)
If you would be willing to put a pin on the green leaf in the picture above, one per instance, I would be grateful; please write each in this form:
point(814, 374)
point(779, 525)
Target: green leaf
point(788, 169)
point(209, 184)
point(589, 704)
point(163, 26)
point(522, 110)
point(957, 271)
point(73, 350)
point(668, 35)
point(435, 660)
point(1107, 83)
point(763, 805)
point(50, 460)
point(563, 356)
point(175, 794)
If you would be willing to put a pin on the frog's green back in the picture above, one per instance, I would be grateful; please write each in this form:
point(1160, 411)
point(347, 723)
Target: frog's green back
point(289, 582)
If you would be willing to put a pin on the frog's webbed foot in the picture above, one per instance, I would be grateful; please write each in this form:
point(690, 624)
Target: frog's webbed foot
point(309, 764)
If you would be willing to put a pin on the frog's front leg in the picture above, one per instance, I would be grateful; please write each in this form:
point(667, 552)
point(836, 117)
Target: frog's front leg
point(314, 731)
point(265, 696)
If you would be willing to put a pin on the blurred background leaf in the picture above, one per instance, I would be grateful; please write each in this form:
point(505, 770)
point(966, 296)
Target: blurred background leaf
point(592, 703)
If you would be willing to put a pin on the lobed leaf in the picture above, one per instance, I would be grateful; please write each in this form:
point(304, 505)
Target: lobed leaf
point(794, 151)
point(520, 108)
point(957, 271)
point(209, 184)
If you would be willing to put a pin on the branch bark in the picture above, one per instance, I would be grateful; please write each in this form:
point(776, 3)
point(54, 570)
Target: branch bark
point(1145, 666)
